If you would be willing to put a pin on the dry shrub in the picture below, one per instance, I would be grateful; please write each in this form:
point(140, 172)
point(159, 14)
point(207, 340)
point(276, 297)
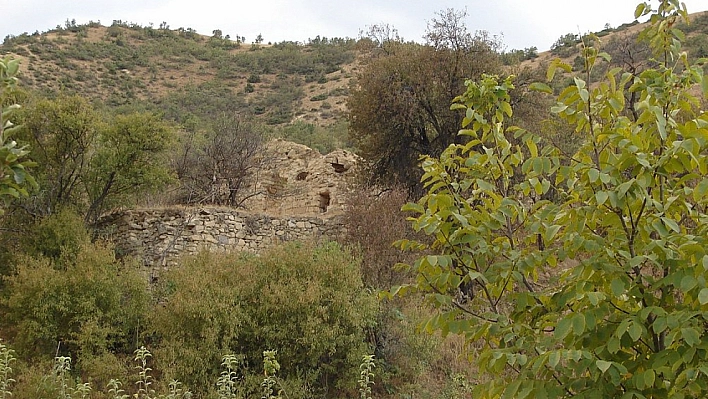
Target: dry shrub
point(374, 222)
point(412, 363)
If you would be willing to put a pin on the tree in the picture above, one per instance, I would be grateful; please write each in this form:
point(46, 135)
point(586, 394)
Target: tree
point(92, 160)
point(603, 294)
point(129, 160)
point(63, 133)
point(218, 172)
point(13, 157)
point(381, 34)
point(400, 106)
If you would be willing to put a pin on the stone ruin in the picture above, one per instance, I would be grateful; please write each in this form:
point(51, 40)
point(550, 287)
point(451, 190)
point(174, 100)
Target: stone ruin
point(299, 195)
point(295, 180)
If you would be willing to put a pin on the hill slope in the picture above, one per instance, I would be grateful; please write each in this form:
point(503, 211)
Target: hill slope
point(123, 64)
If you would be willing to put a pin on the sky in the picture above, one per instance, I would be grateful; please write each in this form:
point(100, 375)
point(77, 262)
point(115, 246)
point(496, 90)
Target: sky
point(520, 23)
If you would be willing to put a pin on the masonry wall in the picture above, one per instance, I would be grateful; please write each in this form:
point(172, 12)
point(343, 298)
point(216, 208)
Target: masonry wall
point(160, 236)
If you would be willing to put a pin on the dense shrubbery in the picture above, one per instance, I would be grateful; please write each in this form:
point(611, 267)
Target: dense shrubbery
point(307, 302)
point(70, 296)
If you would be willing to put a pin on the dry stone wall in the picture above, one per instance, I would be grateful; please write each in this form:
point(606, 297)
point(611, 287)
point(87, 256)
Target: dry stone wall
point(160, 236)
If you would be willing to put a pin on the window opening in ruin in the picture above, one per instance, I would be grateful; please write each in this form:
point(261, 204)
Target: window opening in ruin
point(302, 175)
point(324, 201)
point(338, 167)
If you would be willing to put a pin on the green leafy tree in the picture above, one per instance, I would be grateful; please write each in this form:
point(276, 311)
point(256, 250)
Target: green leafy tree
point(129, 160)
point(63, 133)
point(91, 160)
point(603, 294)
point(13, 157)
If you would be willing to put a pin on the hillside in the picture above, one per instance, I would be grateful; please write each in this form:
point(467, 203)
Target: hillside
point(277, 83)
point(125, 64)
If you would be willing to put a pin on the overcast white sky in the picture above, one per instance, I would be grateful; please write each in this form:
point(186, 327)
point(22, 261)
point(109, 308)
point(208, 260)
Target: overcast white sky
point(523, 23)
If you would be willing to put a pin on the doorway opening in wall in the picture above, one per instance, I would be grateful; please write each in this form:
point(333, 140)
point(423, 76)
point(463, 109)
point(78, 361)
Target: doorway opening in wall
point(324, 201)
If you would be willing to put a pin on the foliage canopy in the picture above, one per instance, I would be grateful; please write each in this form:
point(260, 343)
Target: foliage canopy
point(603, 293)
point(13, 157)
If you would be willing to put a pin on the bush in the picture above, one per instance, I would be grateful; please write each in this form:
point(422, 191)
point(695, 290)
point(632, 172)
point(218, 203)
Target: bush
point(373, 222)
point(83, 304)
point(319, 97)
point(565, 45)
point(59, 237)
point(305, 301)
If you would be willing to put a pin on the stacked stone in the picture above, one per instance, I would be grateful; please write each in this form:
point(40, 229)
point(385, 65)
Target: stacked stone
point(160, 236)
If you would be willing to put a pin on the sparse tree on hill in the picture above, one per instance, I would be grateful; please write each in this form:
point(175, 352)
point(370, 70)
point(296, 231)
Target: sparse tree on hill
point(219, 170)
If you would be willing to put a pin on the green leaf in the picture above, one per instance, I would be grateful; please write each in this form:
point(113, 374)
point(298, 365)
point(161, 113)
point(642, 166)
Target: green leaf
point(671, 224)
point(639, 11)
point(688, 283)
point(584, 94)
point(617, 286)
point(541, 87)
point(659, 325)
point(579, 324)
point(554, 359)
point(703, 296)
point(702, 187)
point(563, 328)
point(486, 186)
point(613, 345)
point(533, 149)
point(649, 378)
point(691, 336)
point(660, 228)
point(551, 232)
point(511, 389)
point(601, 197)
point(635, 331)
point(603, 365)
point(506, 108)
point(593, 175)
